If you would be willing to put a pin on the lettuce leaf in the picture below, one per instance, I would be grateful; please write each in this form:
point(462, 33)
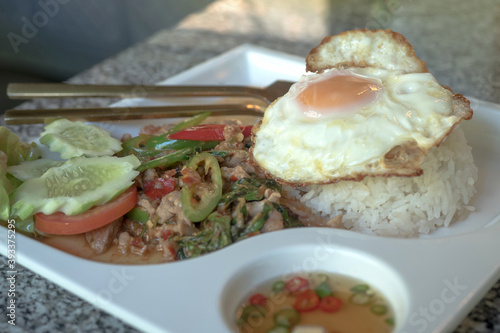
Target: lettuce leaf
point(5, 187)
point(16, 150)
point(12, 152)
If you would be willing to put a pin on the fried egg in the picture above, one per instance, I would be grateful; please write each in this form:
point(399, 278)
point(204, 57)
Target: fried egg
point(345, 124)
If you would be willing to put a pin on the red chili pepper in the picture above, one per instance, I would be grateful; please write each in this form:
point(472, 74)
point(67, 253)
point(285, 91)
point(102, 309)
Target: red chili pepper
point(208, 132)
point(136, 242)
point(306, 301)
point(246, 130)
point(166, 234)
point(159, 187)
point(296, 284)
point(258, 299)
point(330, 304)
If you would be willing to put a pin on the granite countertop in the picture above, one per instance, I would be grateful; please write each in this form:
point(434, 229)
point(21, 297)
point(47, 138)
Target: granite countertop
point(459, 40)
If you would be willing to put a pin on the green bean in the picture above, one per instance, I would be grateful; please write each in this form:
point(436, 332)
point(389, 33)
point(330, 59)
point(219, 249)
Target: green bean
point(214, 236)
point(288, 221)
point(167, 160)
point(257, 222)
point(193, 121)
point(163, 142)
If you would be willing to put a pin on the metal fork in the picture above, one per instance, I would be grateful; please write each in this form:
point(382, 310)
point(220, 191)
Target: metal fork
point(60, 90)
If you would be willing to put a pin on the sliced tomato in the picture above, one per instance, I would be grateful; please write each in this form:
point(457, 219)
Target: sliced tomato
point(306, 301)
point(330, 304)
point(207, 132)
point(98, 216)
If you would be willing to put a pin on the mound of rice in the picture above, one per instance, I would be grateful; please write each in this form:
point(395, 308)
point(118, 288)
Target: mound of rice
point(401, 206)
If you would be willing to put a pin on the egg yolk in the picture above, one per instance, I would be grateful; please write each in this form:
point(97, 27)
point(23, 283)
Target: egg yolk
point(336, 94)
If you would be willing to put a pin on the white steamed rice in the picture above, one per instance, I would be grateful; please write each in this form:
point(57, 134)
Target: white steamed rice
point(404, 206)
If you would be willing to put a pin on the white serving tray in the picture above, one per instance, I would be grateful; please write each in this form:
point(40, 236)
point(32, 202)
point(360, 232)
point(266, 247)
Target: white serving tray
point(432, 281)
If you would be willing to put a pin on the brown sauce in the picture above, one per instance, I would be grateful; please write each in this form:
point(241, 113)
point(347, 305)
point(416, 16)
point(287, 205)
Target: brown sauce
point(77, 245)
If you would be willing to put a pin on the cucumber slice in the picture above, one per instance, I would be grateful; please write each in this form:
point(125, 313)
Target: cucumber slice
point(74, 138)
point(32, 169)
point(75, 186)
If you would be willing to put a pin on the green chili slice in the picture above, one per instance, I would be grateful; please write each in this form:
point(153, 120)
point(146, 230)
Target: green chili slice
point(279, 329)
point(360, 288)
point(200, 200)
point(252, 312)
point(323, 289)
point(287, 317)
point(138, 215)
point(361, 299)
point(278, 286)
point(322, 277)
point(378, 309)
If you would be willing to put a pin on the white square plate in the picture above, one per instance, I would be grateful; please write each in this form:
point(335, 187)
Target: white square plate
point(432, 281)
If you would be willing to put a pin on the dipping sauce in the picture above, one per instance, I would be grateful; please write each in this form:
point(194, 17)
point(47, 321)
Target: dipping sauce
point(315, 303)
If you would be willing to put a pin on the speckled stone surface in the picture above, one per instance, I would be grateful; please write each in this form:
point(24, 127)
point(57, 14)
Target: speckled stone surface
point(459, 40)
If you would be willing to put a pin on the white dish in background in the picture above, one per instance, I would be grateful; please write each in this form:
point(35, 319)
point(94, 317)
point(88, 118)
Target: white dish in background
point(432, 281)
